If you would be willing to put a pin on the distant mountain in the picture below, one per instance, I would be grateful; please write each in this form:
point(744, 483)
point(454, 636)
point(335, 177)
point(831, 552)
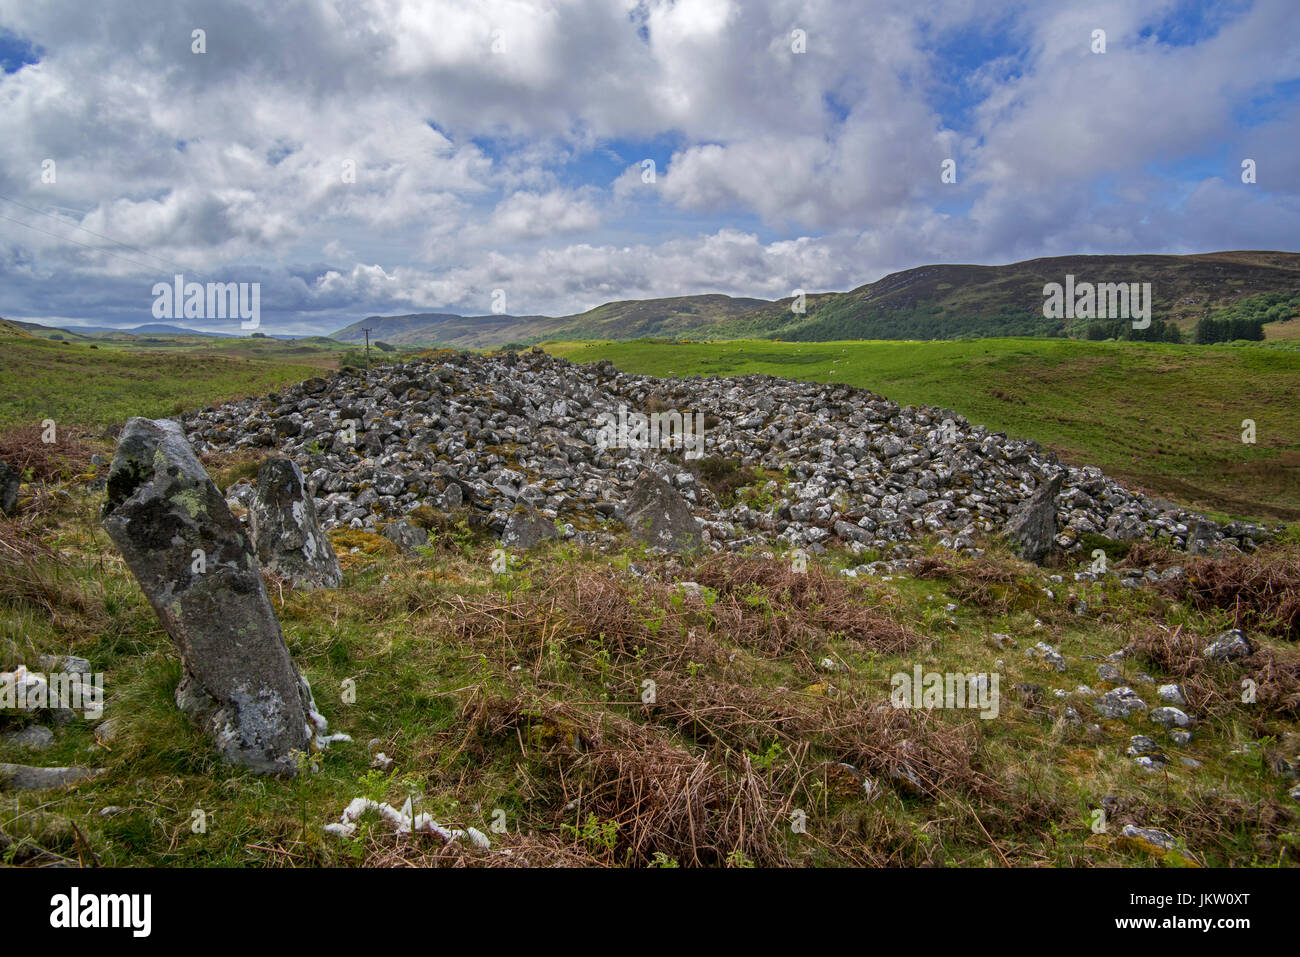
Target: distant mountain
point(148, 329)
point(928, 302)
point(164, 329)
point(651, 318)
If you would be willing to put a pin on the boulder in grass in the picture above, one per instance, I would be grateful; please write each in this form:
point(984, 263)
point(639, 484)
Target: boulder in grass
point(1231, 645)
point(405, 535)
point(23, 777)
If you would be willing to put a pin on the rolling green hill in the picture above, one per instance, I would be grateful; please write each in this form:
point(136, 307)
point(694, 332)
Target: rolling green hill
point(929, 302)
point(447, 329)
point(943, 302)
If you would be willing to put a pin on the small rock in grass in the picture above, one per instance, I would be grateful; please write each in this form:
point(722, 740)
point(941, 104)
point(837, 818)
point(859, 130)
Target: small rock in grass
point(34, 737)
point(1141, 744)
point(1152, 835)
point(1173, 694)
point(1229, 646)
point(108, 730)
point(1047, 654)
point(1108, 672)
point(1119, 703)
point(1170, 718)
point(68, 664)
point(22, 777)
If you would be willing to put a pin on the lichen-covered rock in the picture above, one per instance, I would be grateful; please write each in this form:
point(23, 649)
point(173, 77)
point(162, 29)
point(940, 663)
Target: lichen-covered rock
point(1229, 646)
point(1169, 717)
point(198, 571)
point(527, 528)
point(1152, 835)
point(405, 535)
point(657, 514)
point(1119, 703)
point(1140, 744)
point(1047, 655)
point(1173, 694)
point(22, 777)
point(34, 737)
point(286, 533)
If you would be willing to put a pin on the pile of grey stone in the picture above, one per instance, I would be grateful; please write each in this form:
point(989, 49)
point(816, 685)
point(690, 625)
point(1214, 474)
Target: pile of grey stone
point(516, 437)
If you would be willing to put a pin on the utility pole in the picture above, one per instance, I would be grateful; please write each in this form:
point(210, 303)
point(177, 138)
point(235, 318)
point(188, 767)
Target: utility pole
point(366, 330)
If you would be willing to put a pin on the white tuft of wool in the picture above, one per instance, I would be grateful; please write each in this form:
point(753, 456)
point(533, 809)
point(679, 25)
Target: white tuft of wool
point(404, 821)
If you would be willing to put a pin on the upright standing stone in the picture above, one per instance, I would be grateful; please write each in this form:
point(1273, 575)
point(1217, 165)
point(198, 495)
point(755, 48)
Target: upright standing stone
point(286, 532)
point(198, 571)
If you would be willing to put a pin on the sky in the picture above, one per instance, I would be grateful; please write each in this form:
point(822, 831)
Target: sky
point(384, 157)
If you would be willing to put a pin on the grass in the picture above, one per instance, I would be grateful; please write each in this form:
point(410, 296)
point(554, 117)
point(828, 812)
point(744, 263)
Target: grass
point(74, 384)
point(517, 703)
point(1166, 419)
point(520, 700)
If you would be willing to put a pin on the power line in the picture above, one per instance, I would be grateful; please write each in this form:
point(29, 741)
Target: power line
point(170, 265)
point(75, 243)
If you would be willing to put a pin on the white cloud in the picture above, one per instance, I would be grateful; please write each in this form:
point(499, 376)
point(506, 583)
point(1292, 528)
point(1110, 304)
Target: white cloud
point(389, 142)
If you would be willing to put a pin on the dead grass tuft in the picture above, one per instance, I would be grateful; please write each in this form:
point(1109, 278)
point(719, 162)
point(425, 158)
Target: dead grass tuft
point(1262, 590)
point(22, 448)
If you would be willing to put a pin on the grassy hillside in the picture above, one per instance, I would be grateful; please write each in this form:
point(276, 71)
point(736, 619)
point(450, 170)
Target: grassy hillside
point(945, 301)
point(446, 329)
point(1163, 418)
point(33, 330)
point(513, 703)
point(929, 302)
point(75, 384)
point(516, 699)
point(644, 318)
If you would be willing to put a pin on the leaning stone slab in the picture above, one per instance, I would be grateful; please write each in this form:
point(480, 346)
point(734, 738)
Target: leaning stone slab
point(23, 777)
point(286, 533)
point(198, 571)
point(1033, 527)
